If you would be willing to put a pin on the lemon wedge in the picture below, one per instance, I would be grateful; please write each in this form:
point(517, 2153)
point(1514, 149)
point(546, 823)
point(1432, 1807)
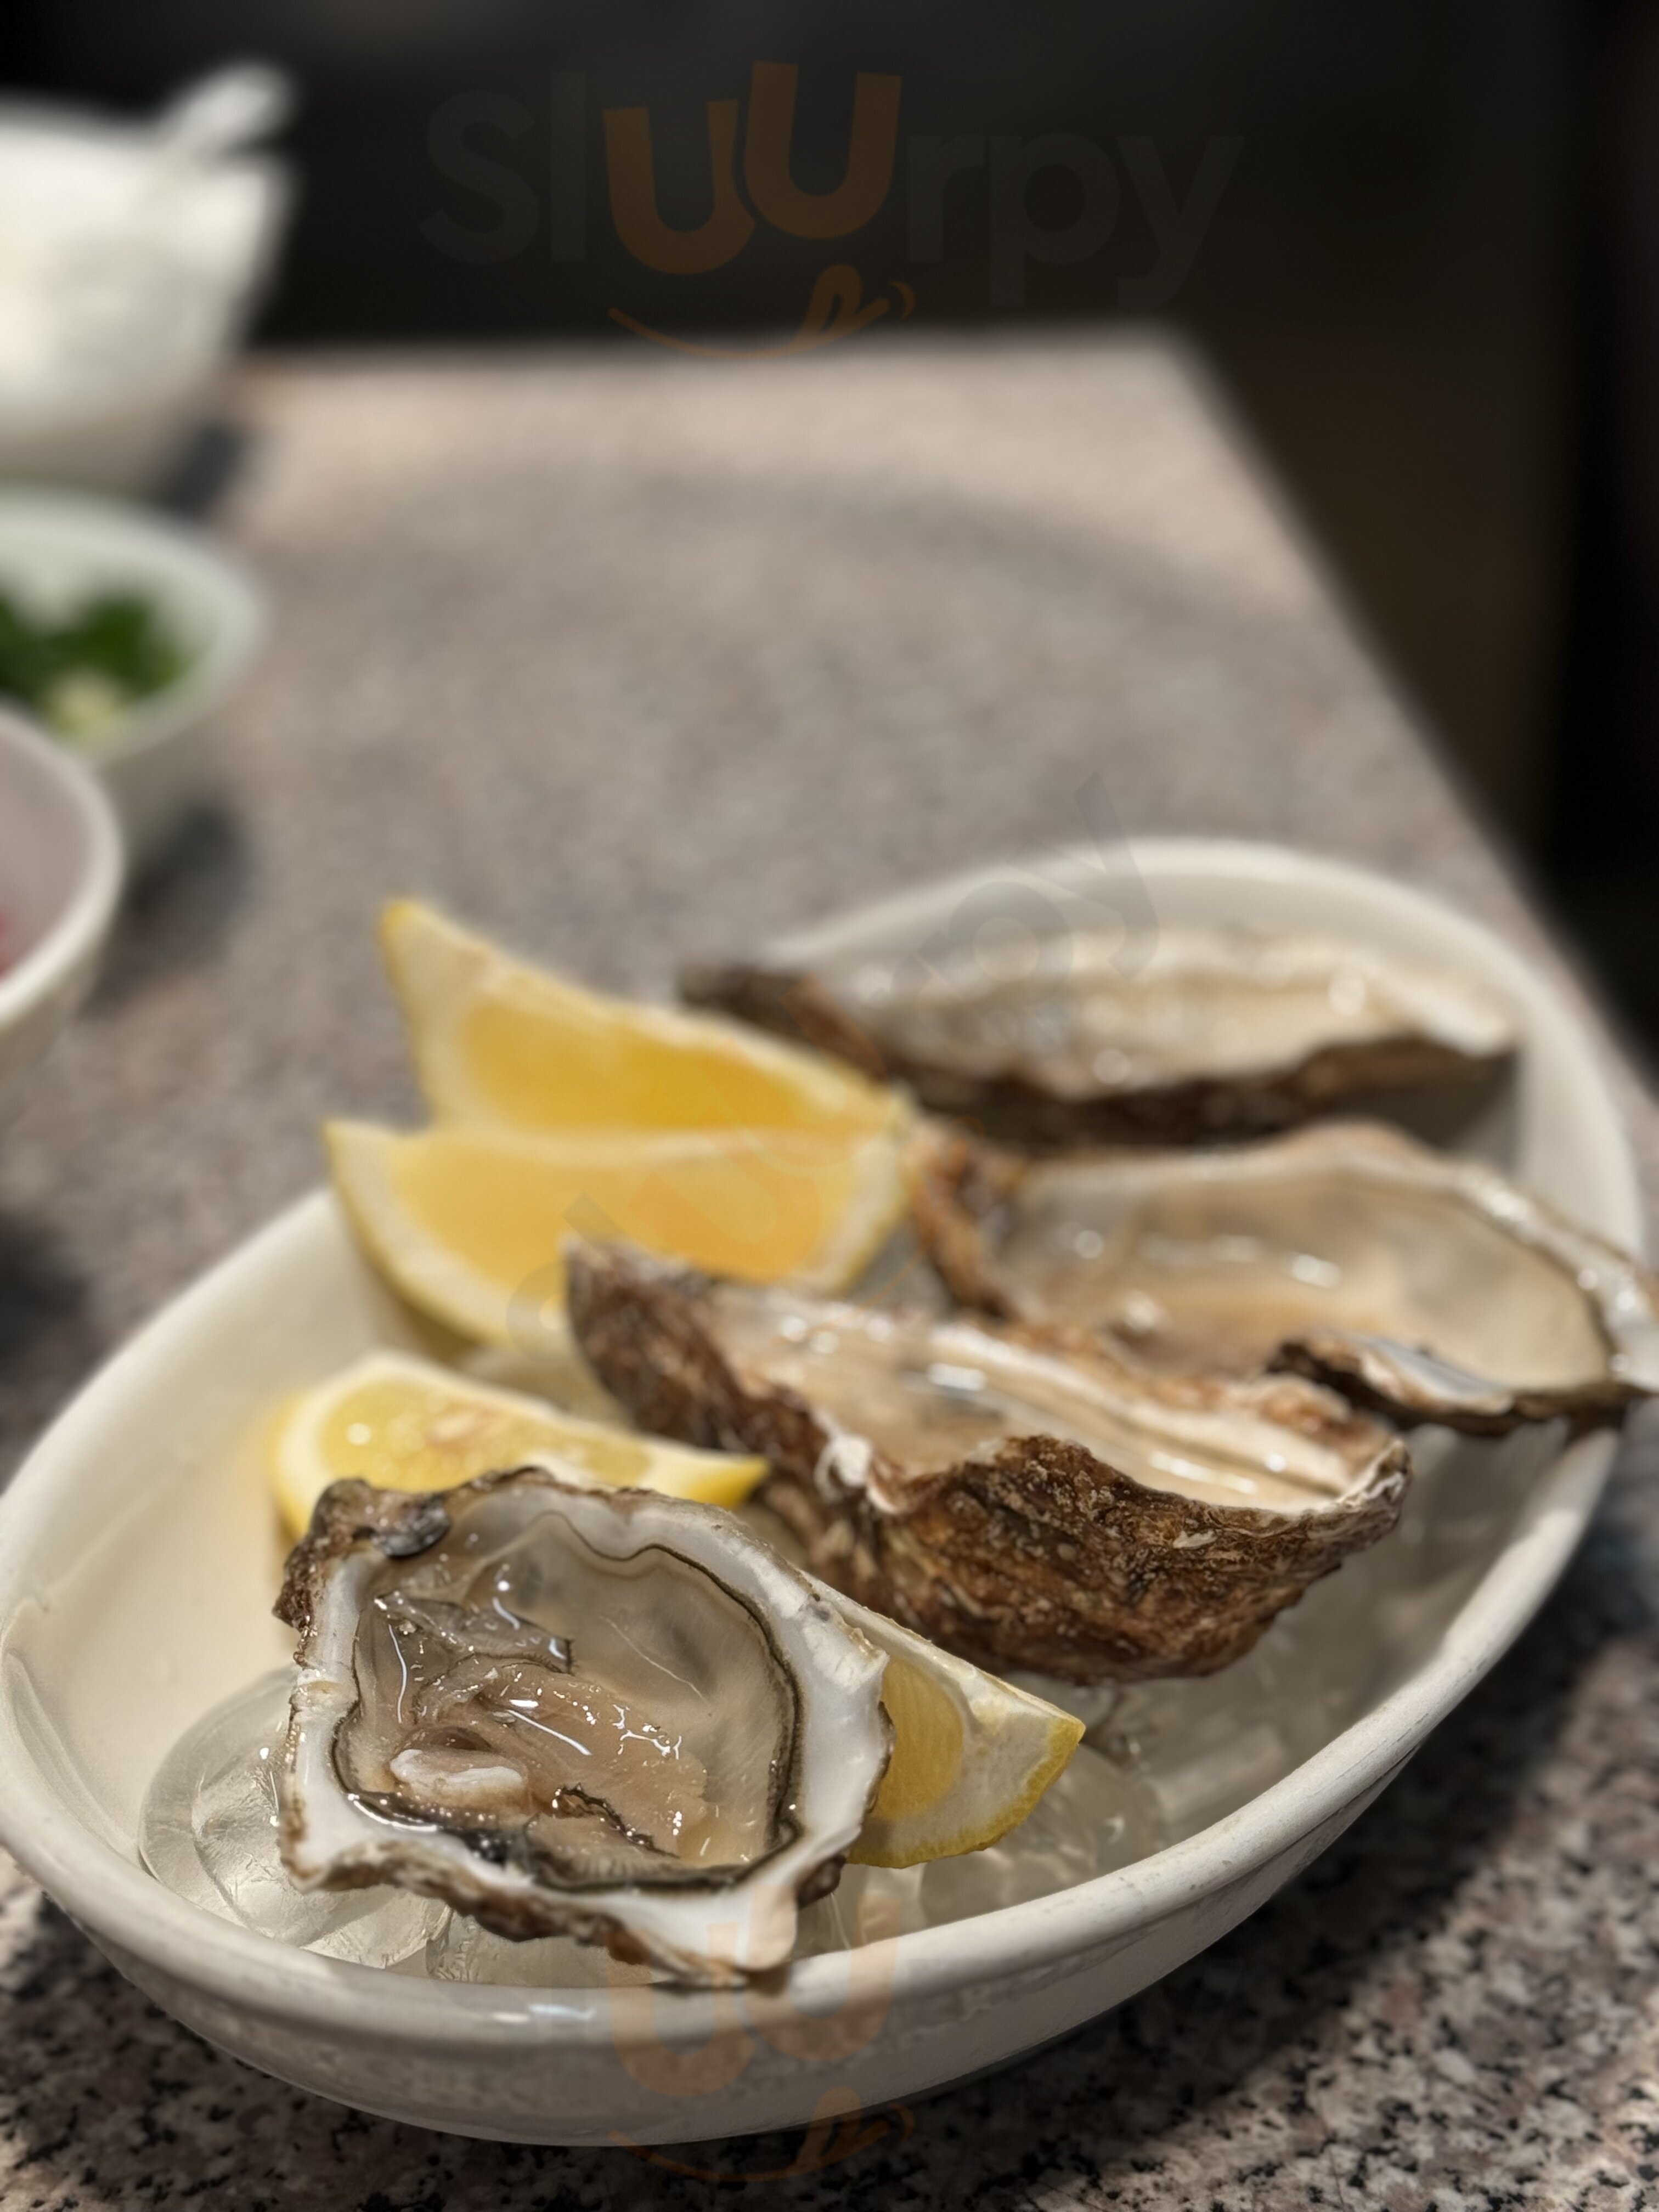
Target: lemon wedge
point(470, 1224)
point(406, 1424)
point(509, 1046)
point(971, 1754)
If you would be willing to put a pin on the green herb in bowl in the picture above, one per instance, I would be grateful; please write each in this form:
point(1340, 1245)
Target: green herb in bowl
point(81, 672)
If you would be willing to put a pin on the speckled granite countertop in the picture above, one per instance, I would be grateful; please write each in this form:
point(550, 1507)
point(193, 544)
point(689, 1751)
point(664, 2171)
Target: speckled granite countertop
point(631, 658)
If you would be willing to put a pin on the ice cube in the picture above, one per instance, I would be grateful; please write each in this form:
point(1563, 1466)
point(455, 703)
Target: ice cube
point(1094, 1818)
point(209, 1830)
point(460, 1950)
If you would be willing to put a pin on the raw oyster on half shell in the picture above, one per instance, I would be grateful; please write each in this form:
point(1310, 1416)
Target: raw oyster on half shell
point(1181, 1034)
point(1419, 1282)
point(605, 1714)
point(1023, 1497)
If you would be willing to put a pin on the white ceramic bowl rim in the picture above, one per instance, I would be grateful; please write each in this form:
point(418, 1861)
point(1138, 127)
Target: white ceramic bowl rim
point(85, 911)
point(159, 550)
point(120, 1900)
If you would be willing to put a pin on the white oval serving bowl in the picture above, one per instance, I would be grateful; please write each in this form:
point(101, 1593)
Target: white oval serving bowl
point(138, 1559)
point(60, 878)
point(55, 548)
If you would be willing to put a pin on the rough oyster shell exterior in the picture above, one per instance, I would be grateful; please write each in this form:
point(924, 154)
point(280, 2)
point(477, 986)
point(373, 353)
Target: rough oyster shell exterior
point(1027, 1550)
point(1182, 1035)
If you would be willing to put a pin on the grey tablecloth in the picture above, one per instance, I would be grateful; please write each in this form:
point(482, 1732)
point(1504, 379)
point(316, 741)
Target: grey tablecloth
point(631, 658)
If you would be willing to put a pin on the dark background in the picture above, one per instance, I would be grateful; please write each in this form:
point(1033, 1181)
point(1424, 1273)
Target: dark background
point(1431, 281)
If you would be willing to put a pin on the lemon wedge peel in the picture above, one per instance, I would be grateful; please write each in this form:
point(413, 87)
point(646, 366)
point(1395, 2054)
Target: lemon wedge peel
point(501, 1043)
point(971, 1754)
point(469, 1225)
point(404, 1423)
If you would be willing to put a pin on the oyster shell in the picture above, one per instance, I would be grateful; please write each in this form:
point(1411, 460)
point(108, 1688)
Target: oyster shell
point(1022, 1497)
point(606, 1714)
point(1177, 1034)
point(1415, 1280)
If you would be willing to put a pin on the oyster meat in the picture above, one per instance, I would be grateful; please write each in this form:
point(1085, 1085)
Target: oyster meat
point(1181, 1034)
point(1417, 1281)
point(1022, 1497)
point(607, 1713)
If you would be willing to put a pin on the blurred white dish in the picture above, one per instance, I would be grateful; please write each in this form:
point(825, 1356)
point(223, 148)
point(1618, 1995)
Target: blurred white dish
point(132, 256)
point(57, 549)
point(60, 876)
point(138, 1559)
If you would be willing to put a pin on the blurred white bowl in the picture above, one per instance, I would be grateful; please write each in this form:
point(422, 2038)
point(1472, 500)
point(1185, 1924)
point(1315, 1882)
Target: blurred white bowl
point(57, 549)
point(60, 876)
point(132, 256)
